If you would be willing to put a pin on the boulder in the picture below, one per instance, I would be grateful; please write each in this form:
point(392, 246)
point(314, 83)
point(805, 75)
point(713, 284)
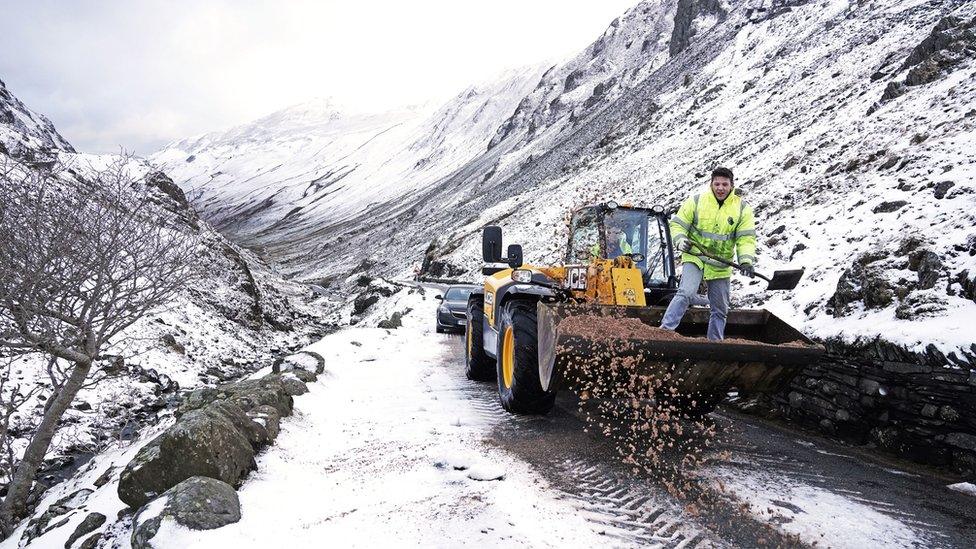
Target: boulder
point(197, 503)
point(256, 434)
point(860, 283)
point(204, 442)
point(891, 206)
point(941, 188)
point(395, 321)
point(364, 302)
point(309, 361)
point(964, 441)
point(91, 523)
point(293, 385)
point(928, 265)
point(247, 394)
point(267, 417)
point(304, 376)
point(91, 542)
point(257, 392)
point(876, 290)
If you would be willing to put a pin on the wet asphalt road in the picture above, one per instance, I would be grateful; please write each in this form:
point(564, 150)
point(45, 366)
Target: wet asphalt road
point(790, 479)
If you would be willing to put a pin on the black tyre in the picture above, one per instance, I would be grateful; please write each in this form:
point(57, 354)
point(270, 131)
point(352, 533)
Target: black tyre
point(478, 366)
point(517, 364)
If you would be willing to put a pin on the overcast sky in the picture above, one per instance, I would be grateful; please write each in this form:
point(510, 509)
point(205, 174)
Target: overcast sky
point(138, 74)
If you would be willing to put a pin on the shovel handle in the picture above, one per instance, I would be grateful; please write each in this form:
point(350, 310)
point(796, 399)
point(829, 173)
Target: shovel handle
point(733, 264)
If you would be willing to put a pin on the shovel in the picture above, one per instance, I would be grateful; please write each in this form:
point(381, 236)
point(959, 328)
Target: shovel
point(781, 280)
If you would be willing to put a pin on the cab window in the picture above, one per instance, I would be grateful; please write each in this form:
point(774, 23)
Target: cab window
point(584, 243)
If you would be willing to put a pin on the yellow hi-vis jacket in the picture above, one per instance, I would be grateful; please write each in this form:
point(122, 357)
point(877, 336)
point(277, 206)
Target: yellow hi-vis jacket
point(722, 230)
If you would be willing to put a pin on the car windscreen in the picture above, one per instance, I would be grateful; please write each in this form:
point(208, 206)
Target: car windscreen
point(457, 294)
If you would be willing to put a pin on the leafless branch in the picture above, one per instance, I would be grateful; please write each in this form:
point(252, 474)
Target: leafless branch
point(81, 260)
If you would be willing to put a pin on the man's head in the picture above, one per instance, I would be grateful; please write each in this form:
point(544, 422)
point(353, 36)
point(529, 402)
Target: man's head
point(722, 183)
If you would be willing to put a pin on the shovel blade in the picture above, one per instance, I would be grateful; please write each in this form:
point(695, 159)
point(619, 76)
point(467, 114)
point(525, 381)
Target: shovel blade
point(785, 280)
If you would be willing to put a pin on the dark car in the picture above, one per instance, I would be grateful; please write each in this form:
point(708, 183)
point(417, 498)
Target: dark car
point(451, 313)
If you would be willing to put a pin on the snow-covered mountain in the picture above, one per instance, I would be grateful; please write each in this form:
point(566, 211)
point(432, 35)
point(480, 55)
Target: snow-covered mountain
point(235, 320)
point(289, 173)
point(850, 126)
point(24, 132)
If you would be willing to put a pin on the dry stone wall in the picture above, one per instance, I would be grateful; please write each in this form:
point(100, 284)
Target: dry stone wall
point(920, 406)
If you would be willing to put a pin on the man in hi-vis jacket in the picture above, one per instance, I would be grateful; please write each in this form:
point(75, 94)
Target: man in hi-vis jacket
point(721, 223)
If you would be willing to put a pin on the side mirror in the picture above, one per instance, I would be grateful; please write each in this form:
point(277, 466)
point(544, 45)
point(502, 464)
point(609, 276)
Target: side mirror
point(514, 256)
point(491, 244)
point(439, 297)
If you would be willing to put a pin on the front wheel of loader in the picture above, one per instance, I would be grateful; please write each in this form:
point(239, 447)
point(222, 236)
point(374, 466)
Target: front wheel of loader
point(478, 366)
point(519, 388)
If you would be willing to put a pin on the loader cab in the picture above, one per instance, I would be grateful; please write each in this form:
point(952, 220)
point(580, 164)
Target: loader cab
point(605, 231)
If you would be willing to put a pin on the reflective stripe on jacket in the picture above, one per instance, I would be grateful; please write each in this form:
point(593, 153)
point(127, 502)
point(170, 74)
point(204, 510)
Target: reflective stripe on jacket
point(725, 230)
point(624, 246)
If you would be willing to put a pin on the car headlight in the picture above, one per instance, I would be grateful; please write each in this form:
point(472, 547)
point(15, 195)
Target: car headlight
point(522, 275)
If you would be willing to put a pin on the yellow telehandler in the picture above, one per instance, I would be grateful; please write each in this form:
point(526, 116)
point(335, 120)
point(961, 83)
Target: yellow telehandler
point(536, 329)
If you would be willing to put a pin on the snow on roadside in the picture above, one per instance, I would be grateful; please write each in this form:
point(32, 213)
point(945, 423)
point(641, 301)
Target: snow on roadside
point(964, 487)
point(386, 451)
point(816, 515)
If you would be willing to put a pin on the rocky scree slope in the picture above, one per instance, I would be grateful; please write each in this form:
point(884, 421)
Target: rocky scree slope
point(235, 320)
point(850, 126)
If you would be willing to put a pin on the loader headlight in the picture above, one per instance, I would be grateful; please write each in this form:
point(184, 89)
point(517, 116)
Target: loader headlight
point(522, 275)
point(612, 205)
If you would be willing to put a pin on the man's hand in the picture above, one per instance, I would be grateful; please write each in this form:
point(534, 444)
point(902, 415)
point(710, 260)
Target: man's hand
point(748, 270)
point(684, 245)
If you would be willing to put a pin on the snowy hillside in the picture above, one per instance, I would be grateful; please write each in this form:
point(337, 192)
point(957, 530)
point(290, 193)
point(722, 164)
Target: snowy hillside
point(850, 127)
point(314, 166)
point(24, 132)
point(235, 320)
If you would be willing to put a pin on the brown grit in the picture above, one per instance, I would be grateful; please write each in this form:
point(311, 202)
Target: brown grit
point(605, 327)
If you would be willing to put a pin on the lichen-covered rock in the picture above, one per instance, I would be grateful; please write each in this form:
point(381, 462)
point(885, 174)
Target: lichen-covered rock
point(304, 376)
point(197, 503)
point(268, 417)
point(247, 394)
point(257, 392)
point(255, 433)
point(202, 442)
point(293, 385)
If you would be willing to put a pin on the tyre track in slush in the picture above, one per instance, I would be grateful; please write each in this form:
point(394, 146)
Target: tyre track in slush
point(630, 509)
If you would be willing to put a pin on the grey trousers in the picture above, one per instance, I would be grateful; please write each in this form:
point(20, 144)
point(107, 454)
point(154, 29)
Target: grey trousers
point(718, 301)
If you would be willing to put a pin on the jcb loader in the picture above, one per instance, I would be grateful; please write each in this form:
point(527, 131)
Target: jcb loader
point(536, 329)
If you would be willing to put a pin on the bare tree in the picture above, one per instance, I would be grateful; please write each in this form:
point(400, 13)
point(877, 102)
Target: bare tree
point(81, 260)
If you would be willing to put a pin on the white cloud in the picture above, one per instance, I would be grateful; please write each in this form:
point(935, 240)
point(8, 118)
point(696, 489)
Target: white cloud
point(139, 74)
